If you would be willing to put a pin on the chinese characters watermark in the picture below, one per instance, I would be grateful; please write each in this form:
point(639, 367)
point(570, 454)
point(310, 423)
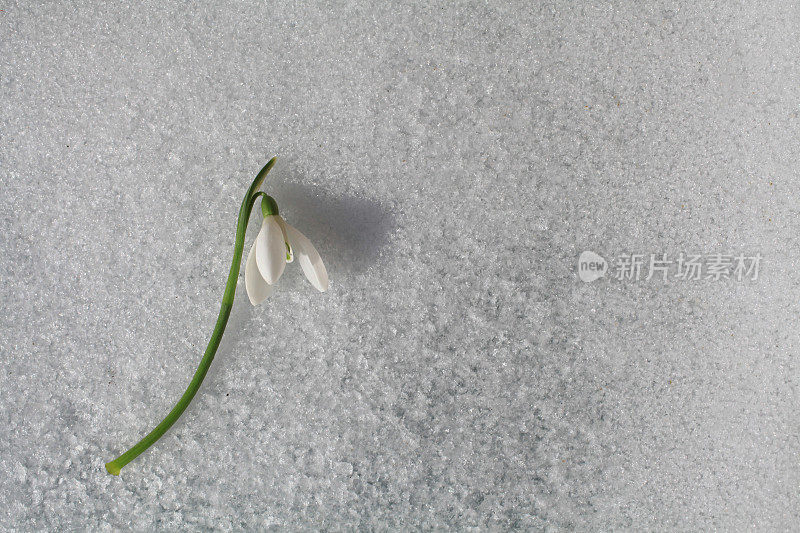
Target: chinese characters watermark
point(685, 267)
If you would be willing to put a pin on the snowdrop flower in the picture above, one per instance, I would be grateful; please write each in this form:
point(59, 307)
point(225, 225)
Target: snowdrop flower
point(277, 244)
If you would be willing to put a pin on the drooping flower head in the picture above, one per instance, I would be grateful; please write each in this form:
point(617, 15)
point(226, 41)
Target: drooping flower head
point(279, 243)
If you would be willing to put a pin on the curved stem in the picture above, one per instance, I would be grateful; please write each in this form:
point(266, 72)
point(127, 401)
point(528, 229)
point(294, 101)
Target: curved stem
point(114, 466)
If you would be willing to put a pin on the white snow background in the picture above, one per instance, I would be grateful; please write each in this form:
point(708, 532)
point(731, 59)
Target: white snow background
point(450, 162)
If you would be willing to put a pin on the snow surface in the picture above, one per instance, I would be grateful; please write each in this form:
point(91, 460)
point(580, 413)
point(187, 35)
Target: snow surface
point(451, 162)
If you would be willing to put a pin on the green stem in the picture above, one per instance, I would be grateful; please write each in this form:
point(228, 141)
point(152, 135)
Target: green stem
point(227, 304)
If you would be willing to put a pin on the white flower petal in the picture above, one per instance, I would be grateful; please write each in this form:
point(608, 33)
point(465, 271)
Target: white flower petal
point(270, 250)
point(309, 259)
point(257, 288)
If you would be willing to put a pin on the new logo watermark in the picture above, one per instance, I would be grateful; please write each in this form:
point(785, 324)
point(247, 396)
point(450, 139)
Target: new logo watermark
point(591, 266)
point(685, 267)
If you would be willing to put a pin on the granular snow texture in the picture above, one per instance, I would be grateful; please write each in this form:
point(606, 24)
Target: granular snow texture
point(451, 162)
